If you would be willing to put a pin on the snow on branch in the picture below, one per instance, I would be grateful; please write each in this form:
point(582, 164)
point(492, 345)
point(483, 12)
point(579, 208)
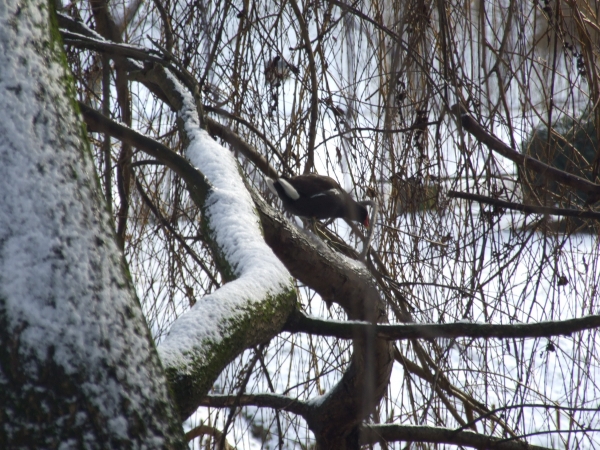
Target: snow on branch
point(244, 312)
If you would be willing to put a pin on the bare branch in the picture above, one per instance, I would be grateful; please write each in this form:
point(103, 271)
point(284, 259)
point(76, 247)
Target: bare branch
point(97, 122)
point(300, 323)
point(393, 433)
point(314, 99)
point(525, 161)
point(274, 401)
point(204, 430)
point(112, 48)
point(529, 209)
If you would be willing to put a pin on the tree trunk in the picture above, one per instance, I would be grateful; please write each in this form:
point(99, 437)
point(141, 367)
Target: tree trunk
point(77, 364)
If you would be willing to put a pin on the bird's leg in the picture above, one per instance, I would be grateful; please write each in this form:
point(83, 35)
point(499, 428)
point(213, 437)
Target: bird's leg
point(310, 224)
point(317, 231)
point(334, 242)
point(313, 225)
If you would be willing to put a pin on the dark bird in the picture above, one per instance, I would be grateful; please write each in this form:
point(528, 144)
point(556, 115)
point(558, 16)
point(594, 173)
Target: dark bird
point(318, 196)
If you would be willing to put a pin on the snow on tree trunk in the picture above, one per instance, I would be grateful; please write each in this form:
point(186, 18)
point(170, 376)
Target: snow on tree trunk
point(78, 368)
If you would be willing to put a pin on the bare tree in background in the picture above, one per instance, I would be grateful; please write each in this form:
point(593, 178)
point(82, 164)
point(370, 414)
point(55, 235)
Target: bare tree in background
point(470, 123)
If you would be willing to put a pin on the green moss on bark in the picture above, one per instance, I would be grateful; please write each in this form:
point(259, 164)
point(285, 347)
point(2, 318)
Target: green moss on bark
point(254, 325)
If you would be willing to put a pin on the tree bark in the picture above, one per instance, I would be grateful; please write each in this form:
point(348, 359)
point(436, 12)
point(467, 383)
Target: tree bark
point(334, 417)
point(78, 367)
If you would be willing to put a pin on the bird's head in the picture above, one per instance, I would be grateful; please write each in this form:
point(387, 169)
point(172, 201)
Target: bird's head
point(362, 213)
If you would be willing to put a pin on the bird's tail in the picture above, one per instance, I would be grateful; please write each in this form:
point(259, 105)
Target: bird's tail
point(290, 191)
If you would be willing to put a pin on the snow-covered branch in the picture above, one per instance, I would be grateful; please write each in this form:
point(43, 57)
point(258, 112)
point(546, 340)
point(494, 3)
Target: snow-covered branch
point(244, 312)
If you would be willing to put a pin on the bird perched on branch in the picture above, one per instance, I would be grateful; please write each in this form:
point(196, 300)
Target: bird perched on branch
point(320, 197)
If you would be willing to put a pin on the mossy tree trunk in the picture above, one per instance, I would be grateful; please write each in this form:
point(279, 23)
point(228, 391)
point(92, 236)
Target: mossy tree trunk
point(78, 367)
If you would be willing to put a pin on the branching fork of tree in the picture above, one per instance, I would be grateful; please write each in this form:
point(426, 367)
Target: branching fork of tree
point(47, 402)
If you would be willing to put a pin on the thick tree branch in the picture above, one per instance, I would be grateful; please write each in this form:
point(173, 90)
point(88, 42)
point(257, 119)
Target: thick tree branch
point(298, 322)
point(196, 182)
point(529, 209)
point(191, 376)
point(337, 414)
point(362, 386)
point(394, 433)
point(112, 48)
point(274, 401)
point(524, 161)
point(320, 268)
